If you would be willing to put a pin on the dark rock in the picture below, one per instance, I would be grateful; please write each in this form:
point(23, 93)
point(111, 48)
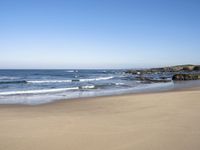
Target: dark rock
point(181, 68)
point(196, 68)
point(186, 77)
point(159, 80)
point(150, 80)
point(131, 71)
point(75, 80)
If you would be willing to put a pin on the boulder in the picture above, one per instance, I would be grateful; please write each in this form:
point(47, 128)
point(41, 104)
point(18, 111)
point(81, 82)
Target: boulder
point(196, 68)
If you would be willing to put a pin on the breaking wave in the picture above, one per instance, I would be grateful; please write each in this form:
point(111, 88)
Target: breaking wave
point(73, 80)
point(43, 91)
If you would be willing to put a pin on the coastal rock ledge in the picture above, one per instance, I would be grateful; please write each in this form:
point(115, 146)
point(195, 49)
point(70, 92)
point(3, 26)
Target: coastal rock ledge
point(186, 77)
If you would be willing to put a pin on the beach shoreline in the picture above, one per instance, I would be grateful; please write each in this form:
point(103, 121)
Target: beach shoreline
point(163, 120)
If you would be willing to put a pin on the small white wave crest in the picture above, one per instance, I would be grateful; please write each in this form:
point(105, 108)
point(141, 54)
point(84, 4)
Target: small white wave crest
point(49, 81)
point(8, 78)
point(70, 71)
point(43, 91)
point(96, 79)
point(73, 80)
point(119, 83)
point(88, 87)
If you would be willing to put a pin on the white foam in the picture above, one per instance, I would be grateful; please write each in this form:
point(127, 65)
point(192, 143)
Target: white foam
point(96, 79)
point(88, 87)
point(64, 81)
point(70, 71)
point(38, 91)
point(119, 83)
point(7, 78)
point(49, 81)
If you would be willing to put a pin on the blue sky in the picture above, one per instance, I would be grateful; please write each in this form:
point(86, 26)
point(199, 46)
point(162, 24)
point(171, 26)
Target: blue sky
point(99, 33)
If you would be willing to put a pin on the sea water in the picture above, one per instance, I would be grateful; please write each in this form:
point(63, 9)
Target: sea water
point(43, 86)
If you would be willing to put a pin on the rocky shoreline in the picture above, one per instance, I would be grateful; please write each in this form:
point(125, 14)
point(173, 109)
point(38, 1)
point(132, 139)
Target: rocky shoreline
point(167, 74)
point(186, 77)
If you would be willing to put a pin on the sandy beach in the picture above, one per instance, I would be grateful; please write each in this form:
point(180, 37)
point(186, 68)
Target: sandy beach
point(153, 121)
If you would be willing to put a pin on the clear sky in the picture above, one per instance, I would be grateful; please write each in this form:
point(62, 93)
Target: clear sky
point(99, 33)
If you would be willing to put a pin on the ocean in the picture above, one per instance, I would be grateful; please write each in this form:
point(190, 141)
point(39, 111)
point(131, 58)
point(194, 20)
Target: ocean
point(44, 86)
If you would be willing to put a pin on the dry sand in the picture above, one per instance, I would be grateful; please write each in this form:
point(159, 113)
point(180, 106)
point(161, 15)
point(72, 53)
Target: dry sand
point(156, 121)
